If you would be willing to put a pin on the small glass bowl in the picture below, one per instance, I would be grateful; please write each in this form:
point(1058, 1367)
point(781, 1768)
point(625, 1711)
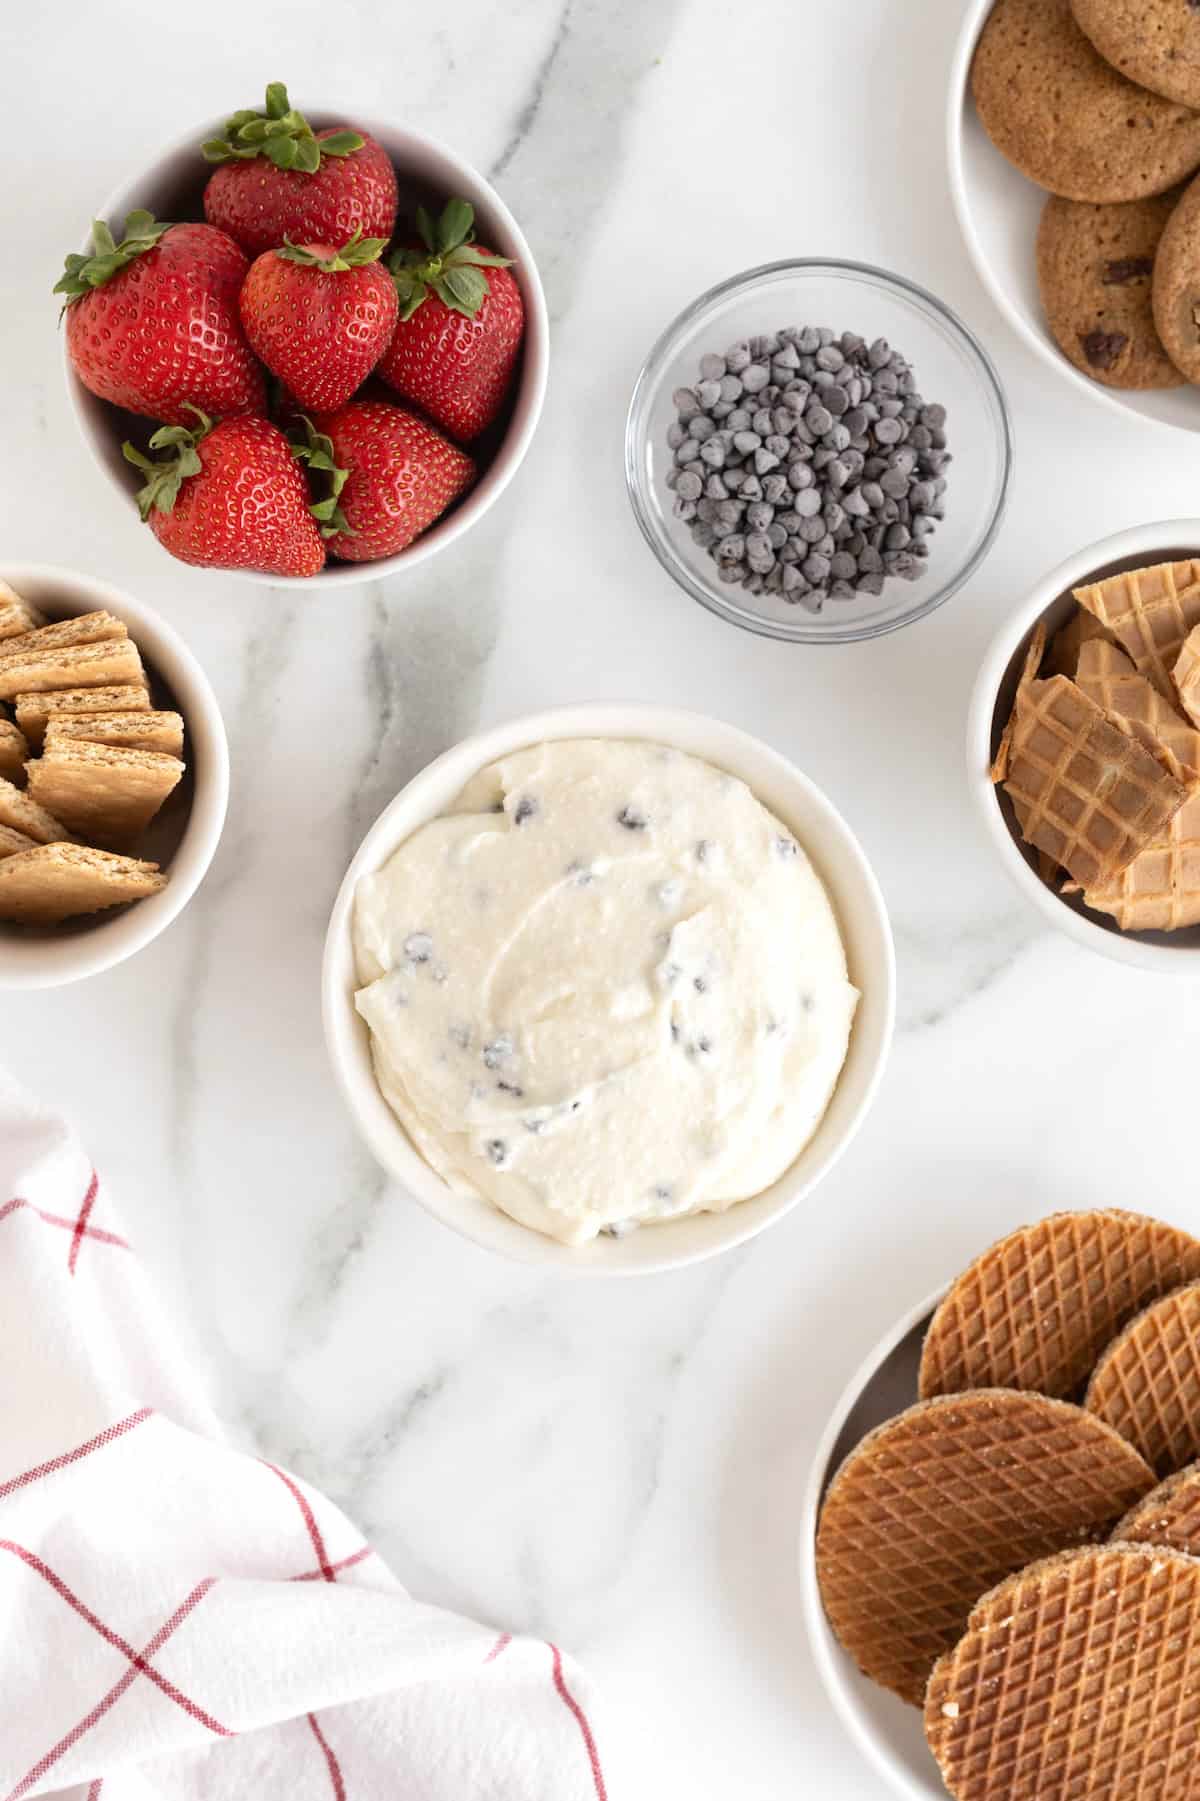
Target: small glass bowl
point(950, 366)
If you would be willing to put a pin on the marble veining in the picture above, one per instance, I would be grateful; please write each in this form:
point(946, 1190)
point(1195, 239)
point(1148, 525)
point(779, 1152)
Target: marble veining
point(618, 1465)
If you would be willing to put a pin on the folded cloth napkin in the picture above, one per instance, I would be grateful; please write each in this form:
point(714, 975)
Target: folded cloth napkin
point(181, 1621)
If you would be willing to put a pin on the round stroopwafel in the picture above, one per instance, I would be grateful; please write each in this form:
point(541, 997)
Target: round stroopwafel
point(1147, 1383)
point(1037, 1308)
point(1078, 1678)
point(936, 1505)
point(1169, 1515)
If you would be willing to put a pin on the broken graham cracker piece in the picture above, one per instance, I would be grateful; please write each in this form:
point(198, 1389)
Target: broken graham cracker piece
point(33, 710)
point(162, 732)
point(1149, 612)
point(11, 842)
point(1106, 675)
point(22, 814)
point(16, 615)
point(65, 634)
point(61, 881)
point(106, 795)
point(13, 751)
point(1186, 675)
point(1085, 792)
point(114, 660)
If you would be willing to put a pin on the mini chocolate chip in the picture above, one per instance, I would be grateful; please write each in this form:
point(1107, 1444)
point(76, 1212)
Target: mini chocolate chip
point(1124, 269)
point(674, 1032)
point(511, 1088)
point(786, 847)
point(580, 874)
point(418, 947)
point(700, 985)
point(632, 819)
point(1102, 348)
point(497, 1151)
point(525, 809)
point(495, 1052)
point(663, 1191)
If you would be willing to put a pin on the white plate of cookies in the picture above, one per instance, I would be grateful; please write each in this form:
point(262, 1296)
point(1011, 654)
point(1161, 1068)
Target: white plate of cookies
point(1077, 187)
point(114, 776)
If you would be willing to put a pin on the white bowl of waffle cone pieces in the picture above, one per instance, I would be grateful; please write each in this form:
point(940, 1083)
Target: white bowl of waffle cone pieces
point(1103, 755)
point(109, 723)
point(612, 934)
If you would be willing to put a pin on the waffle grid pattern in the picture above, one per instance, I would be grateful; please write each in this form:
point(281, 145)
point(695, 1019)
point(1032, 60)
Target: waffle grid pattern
point(1187, 675)
point(1170, 1515)
point(937, 1505)
point(1092, 796)
point(1108, 678)
point(1078, 1680)
point(1036, 1310)
point(1150, 612)
point(1147, 1384)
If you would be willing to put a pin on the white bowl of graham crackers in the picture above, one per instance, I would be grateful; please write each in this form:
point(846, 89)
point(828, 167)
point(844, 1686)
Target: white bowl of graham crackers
point(114, 776)
point(1084, 708)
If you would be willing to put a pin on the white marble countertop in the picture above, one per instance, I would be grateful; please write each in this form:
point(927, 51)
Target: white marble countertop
point(617, 1464)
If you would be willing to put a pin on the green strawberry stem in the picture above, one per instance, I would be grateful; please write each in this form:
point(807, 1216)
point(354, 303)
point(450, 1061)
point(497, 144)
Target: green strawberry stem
point(450, 266)
point(354, 254)
point(168, 474)
point(279, 133)
point(316, 452)
point(83, 273)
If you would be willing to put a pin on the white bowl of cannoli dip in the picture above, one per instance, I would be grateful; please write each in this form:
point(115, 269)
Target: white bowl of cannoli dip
point(609, 988)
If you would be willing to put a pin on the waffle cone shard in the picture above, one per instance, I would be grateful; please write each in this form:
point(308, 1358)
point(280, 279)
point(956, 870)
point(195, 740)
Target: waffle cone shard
point(1186, 675)
point(1169, 1515)
point(1085, 792)
point(1147, 1383)
point(1037, 1308)
point(937, 1505)
point(1067, 644)
point(1107, 677)
point(1160, 890)
point(1076, 1680)
point(1149, 612)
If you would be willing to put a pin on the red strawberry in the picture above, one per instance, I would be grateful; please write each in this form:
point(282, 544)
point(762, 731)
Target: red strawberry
point(280, 180)
point(319, 318)
point(456, 342)
point(393, 475)
point(229, 496)
point(152, 322)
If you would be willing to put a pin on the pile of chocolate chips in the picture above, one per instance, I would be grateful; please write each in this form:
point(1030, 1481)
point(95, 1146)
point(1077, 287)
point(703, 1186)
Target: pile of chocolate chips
point(807, 464)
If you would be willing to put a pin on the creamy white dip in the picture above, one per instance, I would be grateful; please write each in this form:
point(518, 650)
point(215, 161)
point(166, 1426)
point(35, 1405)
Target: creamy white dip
point(606, 988)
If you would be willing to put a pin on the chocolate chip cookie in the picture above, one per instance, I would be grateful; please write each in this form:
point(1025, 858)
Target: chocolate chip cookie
point(1096, 275)
point(1155, 42)
point(1177, 285)
point(1067, 119)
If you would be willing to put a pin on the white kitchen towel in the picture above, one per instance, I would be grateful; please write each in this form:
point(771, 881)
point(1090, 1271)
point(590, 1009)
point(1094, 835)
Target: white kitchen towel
point(182, 1622)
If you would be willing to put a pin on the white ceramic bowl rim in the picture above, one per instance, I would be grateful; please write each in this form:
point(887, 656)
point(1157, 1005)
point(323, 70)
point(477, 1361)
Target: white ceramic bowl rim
point(527, 400)
point(824, 1647)
point(853, 889)
point(67, 956)
point(1141, 544)
point(797, 633)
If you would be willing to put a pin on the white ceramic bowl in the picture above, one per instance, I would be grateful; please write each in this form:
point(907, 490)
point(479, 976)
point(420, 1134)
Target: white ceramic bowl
point(1166, 541)
point(856, 898)
point(999, 210)
point(887, 1732)
point(427, 171)
point(186, 834)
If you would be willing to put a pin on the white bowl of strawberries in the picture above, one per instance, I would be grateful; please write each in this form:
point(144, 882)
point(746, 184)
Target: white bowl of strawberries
point(310, 349)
